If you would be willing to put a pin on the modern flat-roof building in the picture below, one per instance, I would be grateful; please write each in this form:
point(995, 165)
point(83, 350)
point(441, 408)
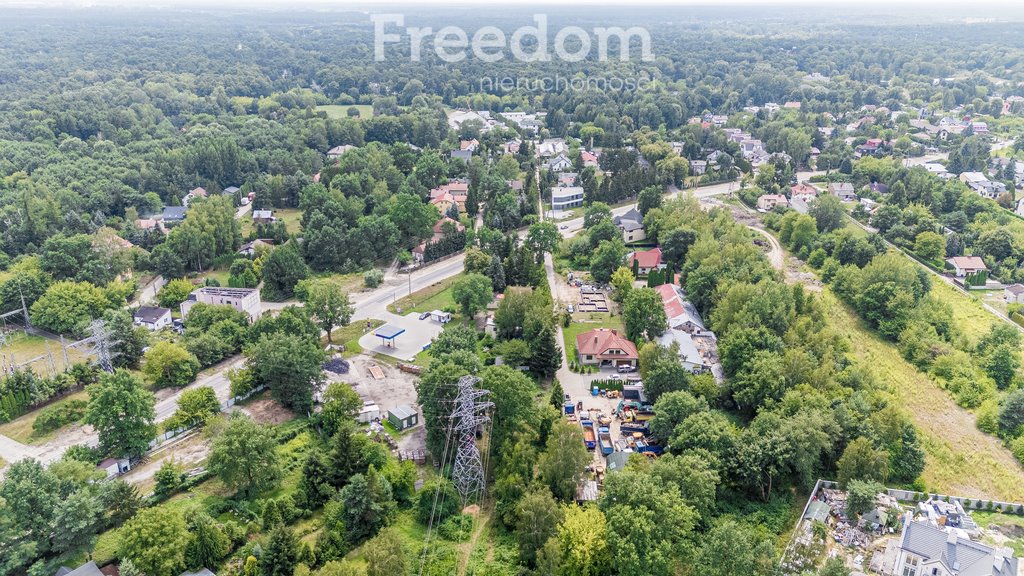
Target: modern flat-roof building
point(566, 197)
point(242, 299)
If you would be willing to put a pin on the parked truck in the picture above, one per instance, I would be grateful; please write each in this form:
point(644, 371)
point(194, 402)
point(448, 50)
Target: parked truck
point(605, 437)
point(589, 439)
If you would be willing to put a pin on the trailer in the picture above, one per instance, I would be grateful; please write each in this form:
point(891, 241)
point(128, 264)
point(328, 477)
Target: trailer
point(605, 438)
point(589, 439)
point(570, 408)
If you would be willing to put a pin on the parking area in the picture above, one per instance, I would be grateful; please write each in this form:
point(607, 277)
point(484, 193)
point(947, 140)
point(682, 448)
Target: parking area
point(415, 334)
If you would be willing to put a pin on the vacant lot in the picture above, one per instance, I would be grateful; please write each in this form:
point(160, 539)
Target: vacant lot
point(20, 429)
point(292, 218)
point(960, 459)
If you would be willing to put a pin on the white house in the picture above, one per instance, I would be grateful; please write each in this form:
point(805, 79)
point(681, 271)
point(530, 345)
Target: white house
point(559, 163)
point(152, 318)
point(1014, 294)
point(242, 299)
point(966, 265)
point(339, 151)
point(770, 201)
point(566, 197)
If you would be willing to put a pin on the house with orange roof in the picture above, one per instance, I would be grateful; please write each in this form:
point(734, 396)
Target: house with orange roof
point(804, 192)
point(646, 260)
point(439, 234)
point(192, 195)
point(606, 347)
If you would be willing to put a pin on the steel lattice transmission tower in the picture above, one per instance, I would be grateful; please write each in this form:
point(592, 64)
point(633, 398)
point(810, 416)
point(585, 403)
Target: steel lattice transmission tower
point(468, 471)
point(102, 344)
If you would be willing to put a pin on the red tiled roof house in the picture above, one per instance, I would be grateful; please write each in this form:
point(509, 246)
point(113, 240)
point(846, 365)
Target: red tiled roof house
point(607, 348)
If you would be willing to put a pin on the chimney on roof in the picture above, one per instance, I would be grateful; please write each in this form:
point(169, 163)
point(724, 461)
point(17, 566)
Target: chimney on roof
point(951, 539)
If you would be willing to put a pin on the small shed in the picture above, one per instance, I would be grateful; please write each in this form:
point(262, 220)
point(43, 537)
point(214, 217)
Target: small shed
point(387, 334)
point(440, 316)
point(114, 467)
point(403, 416)
point(817, 511)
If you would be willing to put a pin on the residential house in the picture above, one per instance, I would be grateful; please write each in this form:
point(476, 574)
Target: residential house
point(173, 215)
point(804, 192)
point(1014, 294)
point(752, 148)
point(631, 224)
point(871, 147)
point(689, 355)
point(799, 204)
point(339, 151)
point(88, 569)
point(251, 248)
point(589, 159)
point(646, 260)
point(511, 147)
point(149, 224)
point(1020, 207)
point(245, 300)
point(232, 190)
point(566, 197)
point(192, 195)
point(927, 550)
point(567, 178)
point(464, 155)
point(551, 147)
point(606, 347)
point(792, 105)
point(516, 185)
point(152, 318)
point(966, 265)
point(559, 163)
point(471, 145)
point(768, 202)
point(439, 233)
point(877, 188)
point(979, 128)
point(698, 167)
point(528, 123)
point(263, 216)
point(982, 185)
point(680, 312)
point(453, 193)
point(843, 190)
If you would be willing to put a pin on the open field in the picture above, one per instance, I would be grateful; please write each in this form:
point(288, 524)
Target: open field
point(341, 111)
point(434, 297)
point(960, 459)
point(20, 428)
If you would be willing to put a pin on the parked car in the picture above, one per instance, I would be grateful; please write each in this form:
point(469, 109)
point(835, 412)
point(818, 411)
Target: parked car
point(570, 309)
point(425, 315)
point(563, 227)
point(623, 369)
point(614, 377)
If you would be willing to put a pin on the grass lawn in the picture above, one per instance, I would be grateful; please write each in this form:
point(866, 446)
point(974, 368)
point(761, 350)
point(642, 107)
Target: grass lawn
point(21, 347)
point(349, 335)
point(341, 111)
point(584, 322)
point(20, 428)
point(960, 459)
point(434, 297)
point(349, 283)
point(292, 218)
